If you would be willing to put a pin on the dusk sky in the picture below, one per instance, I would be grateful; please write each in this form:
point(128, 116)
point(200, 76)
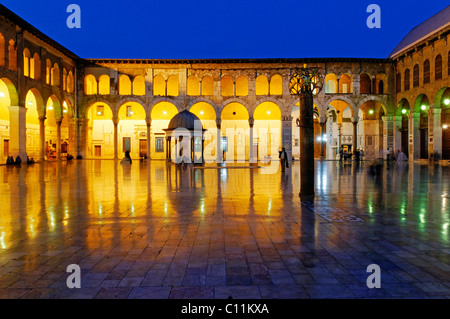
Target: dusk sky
point(195, 29)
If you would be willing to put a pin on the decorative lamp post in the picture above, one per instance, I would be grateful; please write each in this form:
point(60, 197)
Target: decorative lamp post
point(306, 83)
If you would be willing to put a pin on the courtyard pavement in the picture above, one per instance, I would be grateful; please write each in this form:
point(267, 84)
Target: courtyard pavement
point(155, 230)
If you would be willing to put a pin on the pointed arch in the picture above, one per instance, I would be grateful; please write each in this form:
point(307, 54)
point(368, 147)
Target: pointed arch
point(104, 85)
point(276, 85)
point(262, 85)
point(242, 86)
point(172, 85)
point(139, 85)
point(159, 85)
point(193, 86)
point(90, 85)
point(208, 85)
point(227, 86)
point(124, 85)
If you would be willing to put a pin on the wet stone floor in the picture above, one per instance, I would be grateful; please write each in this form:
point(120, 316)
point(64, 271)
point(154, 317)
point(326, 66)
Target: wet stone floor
point(155, 230)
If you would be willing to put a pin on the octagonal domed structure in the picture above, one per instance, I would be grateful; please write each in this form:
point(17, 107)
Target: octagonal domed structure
point(184, 119)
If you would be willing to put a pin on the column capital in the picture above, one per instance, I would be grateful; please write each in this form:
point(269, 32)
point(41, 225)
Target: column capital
point(218, 123)
point(251, 121)
point(115, 120)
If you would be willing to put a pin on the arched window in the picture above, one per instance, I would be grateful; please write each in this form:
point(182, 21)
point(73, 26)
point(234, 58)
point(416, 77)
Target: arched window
point(193, 86)
point(55, 75)
point(381, 87)
point(407, 80)
point(262, 85)
point(438, 68)
point(276, 85)
point(426, 72)
point(345, 84)
point(90, 85)
point(416, 76)
point(242, 86)
point(64, 79)
point(448, 64)
point(227, 86)
point(172, 85)
point(159, 85)
point(124, 85)
point(104, 84)
point(70, 82)
point(207, 85)
point(2, 50)
point(139, 85)
point(26, 62)
point(365, 84)
point(48, 70)
point(36, 67)
point(12, 55)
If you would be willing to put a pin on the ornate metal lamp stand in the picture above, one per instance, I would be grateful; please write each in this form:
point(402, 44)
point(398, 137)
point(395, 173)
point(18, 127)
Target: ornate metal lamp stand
point(306, 83)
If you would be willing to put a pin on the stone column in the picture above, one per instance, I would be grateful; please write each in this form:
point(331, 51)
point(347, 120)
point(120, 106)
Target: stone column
point(397, 134)
point(323, 132)
point(42, 138)
point(116, 140)
point(355, 135)
point(388, 134)
point(82, 136)
point(251, 122)
point(18, 132)
point(149, 137)
point(286, 140)
point(414, 136)
point(434, 133)
point(58, 139)
point(307, 190)
point(219, 154)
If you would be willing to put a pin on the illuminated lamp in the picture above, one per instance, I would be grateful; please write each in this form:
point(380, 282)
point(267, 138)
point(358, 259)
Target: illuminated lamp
point(404, 111)
point(164, 112)
point(447, 101)
point(423, 107)
point(2, 94)
point(50, 107)
point(370, 112)
point(201, 112)
point(268, 112)
point(445, 126)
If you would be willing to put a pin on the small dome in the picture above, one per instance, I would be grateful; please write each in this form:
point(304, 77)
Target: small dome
point(183, 119)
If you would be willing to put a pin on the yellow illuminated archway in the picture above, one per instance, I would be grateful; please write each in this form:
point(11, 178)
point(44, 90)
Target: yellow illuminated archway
point(161, 115)
point(100, 132)
point(267, 130)
point(132, 130)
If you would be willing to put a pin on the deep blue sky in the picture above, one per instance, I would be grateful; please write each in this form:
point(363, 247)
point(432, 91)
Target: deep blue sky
point(174, 29)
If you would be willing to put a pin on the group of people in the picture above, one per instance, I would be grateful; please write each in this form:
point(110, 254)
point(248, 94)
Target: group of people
point(359, 154)
point(10, 160)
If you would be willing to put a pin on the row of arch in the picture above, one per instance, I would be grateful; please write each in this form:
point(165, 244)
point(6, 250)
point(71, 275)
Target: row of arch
point(344, 85)
point(45, 126)
point(426, 74)
point(228, 85)
point(195, 86)
point(32, 66)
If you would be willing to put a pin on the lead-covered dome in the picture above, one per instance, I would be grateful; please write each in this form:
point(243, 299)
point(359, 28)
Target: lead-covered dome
point(183, 119)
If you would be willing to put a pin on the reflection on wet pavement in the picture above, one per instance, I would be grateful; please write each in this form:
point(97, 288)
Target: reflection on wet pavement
point(156, 230)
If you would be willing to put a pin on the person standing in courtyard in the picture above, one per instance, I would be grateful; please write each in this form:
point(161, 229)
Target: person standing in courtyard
point(284, 159)
point(126, 159)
